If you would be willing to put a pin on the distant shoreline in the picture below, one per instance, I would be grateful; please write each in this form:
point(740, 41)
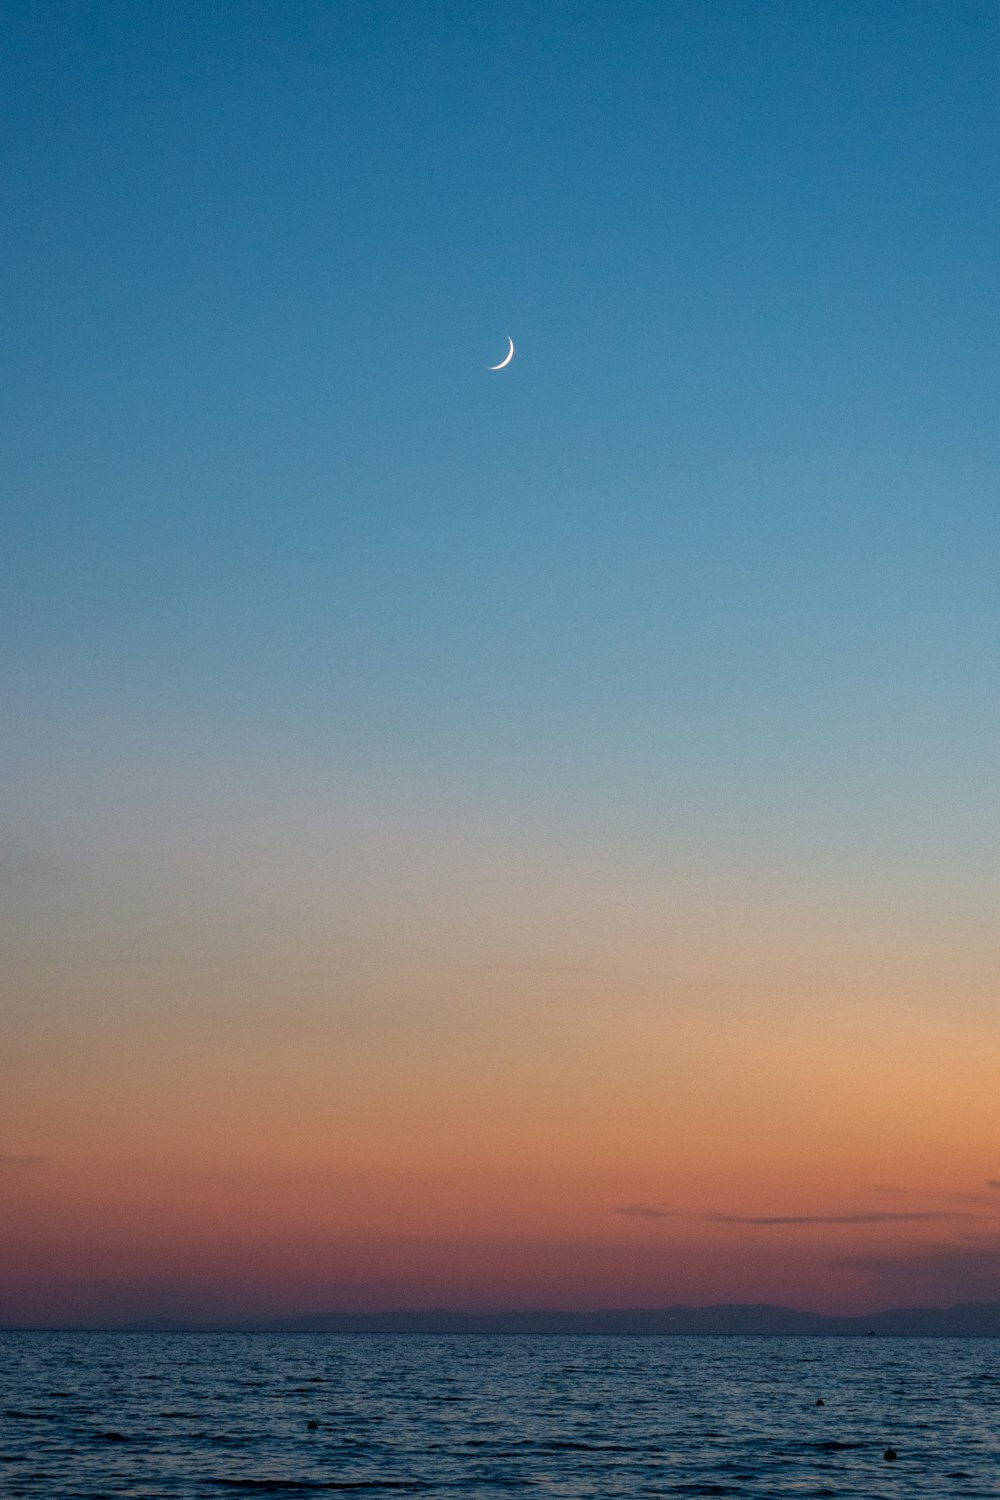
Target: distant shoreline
point(728, 1320)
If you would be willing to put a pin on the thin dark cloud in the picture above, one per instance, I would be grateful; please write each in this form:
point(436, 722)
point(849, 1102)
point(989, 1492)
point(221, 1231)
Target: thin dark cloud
point(950, 1271)
point(992, 1182)
point(858, 1218)
point(664, 1211)
point(20, 1163)
point(941, 1195)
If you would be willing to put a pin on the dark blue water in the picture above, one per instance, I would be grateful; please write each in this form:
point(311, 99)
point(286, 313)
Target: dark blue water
point(185, 1415)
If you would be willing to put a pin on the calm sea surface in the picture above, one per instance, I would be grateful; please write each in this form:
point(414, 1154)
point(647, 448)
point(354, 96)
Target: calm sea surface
point(184, 1415)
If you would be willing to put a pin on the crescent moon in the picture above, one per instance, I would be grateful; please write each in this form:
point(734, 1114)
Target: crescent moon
point(510, 355)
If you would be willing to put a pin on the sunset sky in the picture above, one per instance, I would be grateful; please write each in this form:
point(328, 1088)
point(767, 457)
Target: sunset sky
point(519, 839)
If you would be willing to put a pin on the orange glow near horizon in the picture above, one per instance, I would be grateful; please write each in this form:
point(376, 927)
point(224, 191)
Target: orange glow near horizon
point(499, 1137)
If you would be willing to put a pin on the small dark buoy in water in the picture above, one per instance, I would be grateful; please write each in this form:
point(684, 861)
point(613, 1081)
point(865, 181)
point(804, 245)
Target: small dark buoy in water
point(312, 1426)
point(890, 1455)
point(820, 1401)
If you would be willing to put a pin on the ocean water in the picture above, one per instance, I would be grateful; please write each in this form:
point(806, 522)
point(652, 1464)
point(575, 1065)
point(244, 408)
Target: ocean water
point(186, 1415)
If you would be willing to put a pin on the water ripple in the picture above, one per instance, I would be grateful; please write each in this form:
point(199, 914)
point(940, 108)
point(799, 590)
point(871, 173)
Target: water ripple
point(188, 1417)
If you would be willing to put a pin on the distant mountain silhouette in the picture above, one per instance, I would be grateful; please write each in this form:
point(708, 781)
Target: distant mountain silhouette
point(965, 1320)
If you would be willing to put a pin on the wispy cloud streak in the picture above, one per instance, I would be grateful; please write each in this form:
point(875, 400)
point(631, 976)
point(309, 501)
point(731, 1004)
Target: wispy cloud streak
point(664, 1211)
point(856, 1218)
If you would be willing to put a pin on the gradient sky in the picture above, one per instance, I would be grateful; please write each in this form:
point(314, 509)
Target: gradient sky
point(495, 840)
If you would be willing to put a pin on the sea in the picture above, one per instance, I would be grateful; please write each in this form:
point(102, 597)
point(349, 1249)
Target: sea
point(84, 1416)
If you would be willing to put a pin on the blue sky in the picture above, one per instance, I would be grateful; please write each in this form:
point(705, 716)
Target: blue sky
point(736, 492)
point(734, 499)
